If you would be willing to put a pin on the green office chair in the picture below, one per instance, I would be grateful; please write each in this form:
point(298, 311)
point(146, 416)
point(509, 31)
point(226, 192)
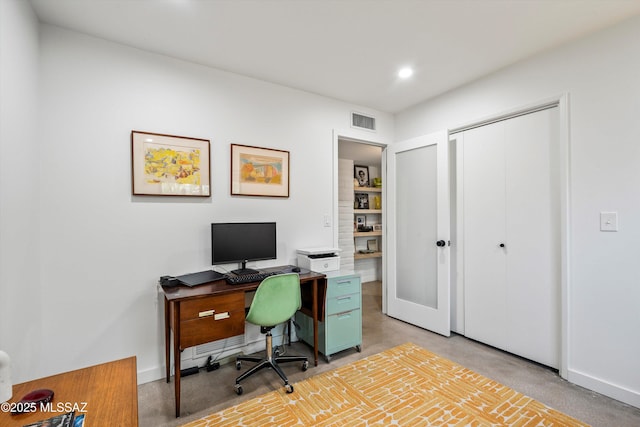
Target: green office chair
point(276, 300)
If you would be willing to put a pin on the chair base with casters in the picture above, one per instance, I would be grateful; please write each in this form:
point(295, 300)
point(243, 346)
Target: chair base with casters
point(268, 362)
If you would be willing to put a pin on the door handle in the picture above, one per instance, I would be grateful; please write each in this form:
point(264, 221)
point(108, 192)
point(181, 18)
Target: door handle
point(440, 243)
point(501, 245)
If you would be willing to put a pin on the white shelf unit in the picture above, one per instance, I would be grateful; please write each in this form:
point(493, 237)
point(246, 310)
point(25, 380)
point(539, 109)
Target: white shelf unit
point(373, 216)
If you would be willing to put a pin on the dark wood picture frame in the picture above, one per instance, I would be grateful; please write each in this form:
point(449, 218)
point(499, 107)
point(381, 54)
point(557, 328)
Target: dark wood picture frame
point(258, 171)
point(170, 165)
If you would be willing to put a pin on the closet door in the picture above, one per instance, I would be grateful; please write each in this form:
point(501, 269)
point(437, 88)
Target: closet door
point(485, 285)
point(533, 236)
point(511, 235)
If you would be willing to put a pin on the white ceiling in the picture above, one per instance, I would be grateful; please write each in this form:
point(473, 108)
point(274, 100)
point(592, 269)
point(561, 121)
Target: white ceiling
point(361, 154)
point(349, 49)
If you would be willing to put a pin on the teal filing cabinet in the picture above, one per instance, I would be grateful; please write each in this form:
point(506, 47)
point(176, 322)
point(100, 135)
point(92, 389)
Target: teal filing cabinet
point(342, 325)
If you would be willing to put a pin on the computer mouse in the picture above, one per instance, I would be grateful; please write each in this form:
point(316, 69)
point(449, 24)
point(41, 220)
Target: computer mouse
point(295, 269)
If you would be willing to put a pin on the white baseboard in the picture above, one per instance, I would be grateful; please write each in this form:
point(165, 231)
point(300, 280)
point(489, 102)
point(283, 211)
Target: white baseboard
point(149, 375)
point(630, 397)
point(253, 343)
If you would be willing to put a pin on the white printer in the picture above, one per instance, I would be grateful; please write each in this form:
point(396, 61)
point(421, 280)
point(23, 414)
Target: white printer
point(319, 259)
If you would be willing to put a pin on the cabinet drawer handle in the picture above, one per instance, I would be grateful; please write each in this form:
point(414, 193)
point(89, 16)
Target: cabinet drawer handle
point(206, 313)
point(344, 315)
point(343, 282)
point(339, 299)
point(220, 316)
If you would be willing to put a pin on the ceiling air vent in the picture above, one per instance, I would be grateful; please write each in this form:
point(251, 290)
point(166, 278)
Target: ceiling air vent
point(361, 121)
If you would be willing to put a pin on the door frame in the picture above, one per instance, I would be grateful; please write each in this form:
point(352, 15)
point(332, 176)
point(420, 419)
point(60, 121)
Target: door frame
point(357, 136)
point(562, 103)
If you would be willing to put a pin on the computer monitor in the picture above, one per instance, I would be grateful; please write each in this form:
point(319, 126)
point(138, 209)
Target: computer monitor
point(241, 242)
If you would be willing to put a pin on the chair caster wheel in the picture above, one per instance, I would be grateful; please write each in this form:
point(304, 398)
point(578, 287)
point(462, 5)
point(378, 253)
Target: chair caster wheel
point(238, 365)
point(288, 388)
point(305, 365)
point(239, 390)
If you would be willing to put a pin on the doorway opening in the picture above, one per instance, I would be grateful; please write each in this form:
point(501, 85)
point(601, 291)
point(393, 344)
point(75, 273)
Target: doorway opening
point(359, 213)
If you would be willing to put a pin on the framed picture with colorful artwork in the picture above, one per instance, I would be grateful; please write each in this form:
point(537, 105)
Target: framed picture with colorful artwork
point(169, 165)
point(259, 171)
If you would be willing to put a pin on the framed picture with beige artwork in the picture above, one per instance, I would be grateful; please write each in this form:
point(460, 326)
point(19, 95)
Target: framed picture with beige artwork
point(257, 171)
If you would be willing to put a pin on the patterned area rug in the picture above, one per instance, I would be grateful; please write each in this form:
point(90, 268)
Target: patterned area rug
point(403, 386)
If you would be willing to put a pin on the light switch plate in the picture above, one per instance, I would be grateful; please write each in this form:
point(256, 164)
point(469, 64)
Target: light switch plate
point(608, 221)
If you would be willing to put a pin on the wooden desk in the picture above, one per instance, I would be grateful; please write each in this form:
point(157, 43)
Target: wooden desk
point(215, 310)
point(110, 391)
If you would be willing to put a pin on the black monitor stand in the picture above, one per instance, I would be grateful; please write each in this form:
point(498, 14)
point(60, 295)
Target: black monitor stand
point(244, 270)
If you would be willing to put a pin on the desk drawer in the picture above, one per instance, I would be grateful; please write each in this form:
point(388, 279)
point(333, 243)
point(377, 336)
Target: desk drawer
point(199, 331)
point(343, 286)
point(211, 318)
point(342, 303)
point(202, 308)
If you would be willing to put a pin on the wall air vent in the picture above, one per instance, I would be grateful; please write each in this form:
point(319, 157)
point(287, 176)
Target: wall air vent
point(360, 121)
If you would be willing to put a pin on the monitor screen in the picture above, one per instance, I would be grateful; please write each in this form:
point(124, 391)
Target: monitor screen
point(241, 242)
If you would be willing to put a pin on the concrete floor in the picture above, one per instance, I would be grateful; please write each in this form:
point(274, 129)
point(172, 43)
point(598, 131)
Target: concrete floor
point(208, 392)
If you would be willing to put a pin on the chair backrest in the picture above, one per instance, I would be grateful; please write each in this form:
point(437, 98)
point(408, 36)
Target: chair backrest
point(276, 300)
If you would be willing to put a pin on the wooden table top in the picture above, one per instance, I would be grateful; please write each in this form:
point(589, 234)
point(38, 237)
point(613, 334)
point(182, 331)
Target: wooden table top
point(107, 394)
point(220, 287)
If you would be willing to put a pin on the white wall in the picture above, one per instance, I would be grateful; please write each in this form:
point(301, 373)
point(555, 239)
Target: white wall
point(21, 316)
point(600, 73)
point(102, 250)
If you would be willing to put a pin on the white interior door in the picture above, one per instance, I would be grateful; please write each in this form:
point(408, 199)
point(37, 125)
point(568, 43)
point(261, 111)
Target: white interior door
point(484, 232)
point(511, 235)
point(532, 225)
point(417, 208)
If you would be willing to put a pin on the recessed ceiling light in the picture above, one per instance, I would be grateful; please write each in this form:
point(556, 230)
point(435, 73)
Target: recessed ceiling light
point(405, 72)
